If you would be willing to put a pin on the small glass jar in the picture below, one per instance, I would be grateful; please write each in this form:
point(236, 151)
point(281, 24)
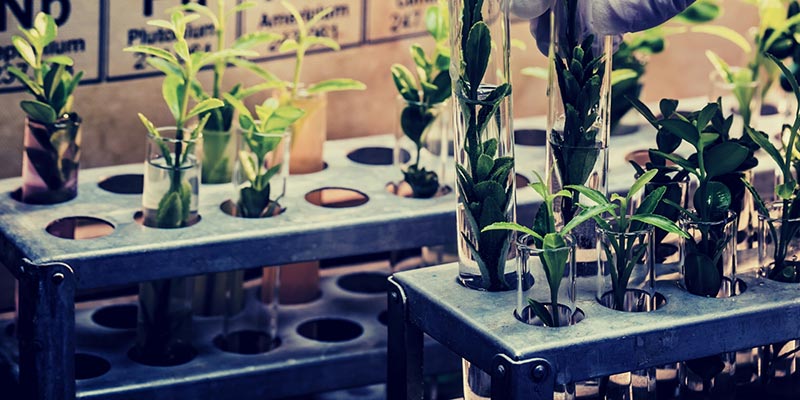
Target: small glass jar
point(219, 156)
point(708, 257)
point(421, 137)
point(533, 285)
point(626, 262)
point(778, 245)
point(171, 179)
point(261, 172)
point(308, 134)
point(50, 160)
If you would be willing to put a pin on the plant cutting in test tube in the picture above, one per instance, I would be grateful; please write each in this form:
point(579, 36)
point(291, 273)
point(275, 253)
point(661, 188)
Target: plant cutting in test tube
point(620, 222)
point(56, 158)
point(547, 236)
point(216, 162)
point(434, 88)
point(261, 136)
point(717, 156)
point(785, 268)
point(181, 70)
point(484, 186)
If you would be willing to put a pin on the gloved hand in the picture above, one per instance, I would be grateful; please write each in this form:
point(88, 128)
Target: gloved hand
point(599, 17)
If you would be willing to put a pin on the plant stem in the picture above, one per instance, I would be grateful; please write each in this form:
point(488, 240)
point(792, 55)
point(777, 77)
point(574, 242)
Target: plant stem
point(298, 66)
point(219, 66)
point(554, 308)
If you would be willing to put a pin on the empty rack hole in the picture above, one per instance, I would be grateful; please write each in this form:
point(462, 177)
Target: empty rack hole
point(377, 156)
point(334, 197)
point(330, 330)
point(530, 137)
point(364, 282)
point(79, 228)
point(88, 366)
point(123, 184)
point(118, 316)
point(246, 342)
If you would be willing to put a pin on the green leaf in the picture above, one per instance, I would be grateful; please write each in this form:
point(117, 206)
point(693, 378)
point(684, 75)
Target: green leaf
point(47, 28)
point(661, 223)
point(25, 50)
point(153, 51)
point(712, 200)
point(511, 226)
point(172, 90)
point(39, 111)
point(250, 40)
point(32, 86)
point(203, 106)
point(62, 60)
point(405, 82)
point(641, 182)
point(323, 41)
point(724, 158)
point(586, 215)
point(333, 85)
point(725, 33)
point(701, 276)
point(541, 312)
point(476, 58)
point(289, 45)
point(682, 129)
point(592, 194)
point(202, 9)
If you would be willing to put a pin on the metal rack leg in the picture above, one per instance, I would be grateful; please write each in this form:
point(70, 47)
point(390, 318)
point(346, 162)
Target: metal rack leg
point(404, 379)
point(527, 380)
point(46, 329)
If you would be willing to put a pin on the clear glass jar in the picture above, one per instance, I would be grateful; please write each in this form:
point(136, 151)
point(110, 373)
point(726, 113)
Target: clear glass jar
point(219, 156)
point(50, 160)
point(708, 257)
point(261, 172)
point(421, 135)
point(171, 179)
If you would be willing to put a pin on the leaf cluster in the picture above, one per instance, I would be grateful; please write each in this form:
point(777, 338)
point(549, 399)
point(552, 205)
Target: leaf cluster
point(52, 84)
point(304, 41)
point(579, 80)
point(716, 155)
point(221, 118)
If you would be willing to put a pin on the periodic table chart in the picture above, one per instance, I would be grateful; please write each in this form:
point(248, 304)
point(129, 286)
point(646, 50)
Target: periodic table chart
point(94, 32)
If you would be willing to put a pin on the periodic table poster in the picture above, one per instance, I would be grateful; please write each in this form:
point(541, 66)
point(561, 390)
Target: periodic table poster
point(95, 32)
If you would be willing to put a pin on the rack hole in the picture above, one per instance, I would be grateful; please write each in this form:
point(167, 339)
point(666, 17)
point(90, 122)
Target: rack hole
point(88, 366)
point(636, 301)
point(530, 318)
point(79, 228)
point(769, 109)
point(377, 156)
point(123, 184)
point(530, 137)
point(179, 353)
point(118, 316)
point(403, 189)
point(383, 318)
point(334, 197)
point(246, 342)
point(624, 129)
point(330, 330)
point(364, 282)
point(138, 216)
point(229, 207)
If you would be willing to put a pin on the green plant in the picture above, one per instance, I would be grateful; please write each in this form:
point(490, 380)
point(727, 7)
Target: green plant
point(619, 222)
point(262, 136)
point(216, 162)
point(549, 238)
point(485, 188)
point(300, 45)
point(579, 74)
point(785, 268)
point(422, 94)
point(718, 163)
point(181, 70)
point(52, 85)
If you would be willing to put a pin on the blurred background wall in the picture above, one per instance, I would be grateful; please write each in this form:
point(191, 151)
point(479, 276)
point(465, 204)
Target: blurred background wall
point(376, 34)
